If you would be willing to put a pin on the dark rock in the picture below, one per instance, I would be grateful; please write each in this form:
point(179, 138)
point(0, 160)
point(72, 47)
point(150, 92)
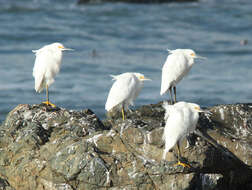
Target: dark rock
point(4, 185)
point(42, 148)
point(135, 1)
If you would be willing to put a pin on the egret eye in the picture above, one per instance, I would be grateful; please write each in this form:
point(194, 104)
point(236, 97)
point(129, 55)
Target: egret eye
point(60, 47)
point(192, 54)
point(197, 108)
point(141, 77)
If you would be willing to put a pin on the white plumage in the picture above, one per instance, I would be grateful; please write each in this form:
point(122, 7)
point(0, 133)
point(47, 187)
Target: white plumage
point(47, 65)
point(177, 65)
point(181, 119)
point(125, 90)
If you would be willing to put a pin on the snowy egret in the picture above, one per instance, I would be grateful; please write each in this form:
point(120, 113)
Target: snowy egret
point(181, 119)
point(177, 65)
point(124, 91)
point(46, 66)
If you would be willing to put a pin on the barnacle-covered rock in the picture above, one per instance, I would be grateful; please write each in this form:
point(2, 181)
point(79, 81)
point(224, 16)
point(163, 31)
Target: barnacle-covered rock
point(45, 148)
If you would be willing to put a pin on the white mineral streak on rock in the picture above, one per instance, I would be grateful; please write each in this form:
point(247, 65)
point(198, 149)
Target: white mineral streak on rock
point(111, 133)
point(146, 160)
point(108, 177)
point(71, 149)
point(222, 115)
point(92, 168)
point(55, 186)
point(123, 128)
point(209, 180)
point(94, 139)
point(27, 115)
point(146, 139)
point(45, 126)
point(40, 164)
point(133, 173)
point(58, 153)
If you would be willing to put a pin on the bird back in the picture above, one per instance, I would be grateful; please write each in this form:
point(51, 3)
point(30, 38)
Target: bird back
point(174, 69)
point(122, 91)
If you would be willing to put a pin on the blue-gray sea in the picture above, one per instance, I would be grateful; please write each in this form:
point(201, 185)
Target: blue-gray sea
point(113, 38)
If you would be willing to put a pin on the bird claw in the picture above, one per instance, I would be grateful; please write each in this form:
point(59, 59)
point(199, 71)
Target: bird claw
point(183, 164)
point(49, 104)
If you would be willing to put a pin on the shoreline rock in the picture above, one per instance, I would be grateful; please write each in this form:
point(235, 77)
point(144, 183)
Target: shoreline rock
point(43, 148)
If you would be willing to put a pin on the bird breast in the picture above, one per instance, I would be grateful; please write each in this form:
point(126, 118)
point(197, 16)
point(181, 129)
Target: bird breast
point(180, 122)
point(53, 66)
point(138, 88)
point(190, 120)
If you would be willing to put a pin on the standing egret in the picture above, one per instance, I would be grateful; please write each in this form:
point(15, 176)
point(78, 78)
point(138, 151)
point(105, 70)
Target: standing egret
point(46, 66)
point(125, 90)
point(177, 65)
point(181, 119)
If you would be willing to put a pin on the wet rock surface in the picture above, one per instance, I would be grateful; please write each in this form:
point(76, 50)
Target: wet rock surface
point(44, 148)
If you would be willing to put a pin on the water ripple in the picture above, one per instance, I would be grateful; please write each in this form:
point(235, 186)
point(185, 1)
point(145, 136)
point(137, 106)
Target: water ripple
point(112, 38)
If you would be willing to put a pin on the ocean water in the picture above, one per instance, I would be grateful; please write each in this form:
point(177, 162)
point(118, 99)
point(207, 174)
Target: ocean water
point(113, 38)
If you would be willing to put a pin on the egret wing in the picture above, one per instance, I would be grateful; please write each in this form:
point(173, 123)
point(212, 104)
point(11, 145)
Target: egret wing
point(120, 91)
point(168, 109)
point(174, 69)
point(173, 130)
point(44, 60)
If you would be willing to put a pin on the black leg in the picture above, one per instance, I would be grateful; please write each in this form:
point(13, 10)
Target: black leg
point(47, 95)
point(170, 90)
point(175, 94)
point(179, 153)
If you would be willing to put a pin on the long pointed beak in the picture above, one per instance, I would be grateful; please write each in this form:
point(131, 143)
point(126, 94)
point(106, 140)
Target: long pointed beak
point(67, 49)
point(147, 79)
point(200, 57)
point(169, 50)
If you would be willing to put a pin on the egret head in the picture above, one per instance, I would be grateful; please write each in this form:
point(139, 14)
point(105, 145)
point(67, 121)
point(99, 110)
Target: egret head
point(60, 46)
point(141, 77)
point(191, 54)
point(196, 108)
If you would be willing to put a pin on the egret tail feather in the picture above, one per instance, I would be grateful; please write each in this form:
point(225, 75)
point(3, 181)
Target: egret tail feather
point(39, 84)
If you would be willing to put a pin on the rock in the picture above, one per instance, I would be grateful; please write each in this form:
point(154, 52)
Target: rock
point(4, 185)
point(134, 1)
point(43, 148)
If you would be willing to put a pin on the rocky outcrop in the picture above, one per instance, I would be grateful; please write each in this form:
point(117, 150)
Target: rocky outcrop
point(43, 148)
point(134, 1)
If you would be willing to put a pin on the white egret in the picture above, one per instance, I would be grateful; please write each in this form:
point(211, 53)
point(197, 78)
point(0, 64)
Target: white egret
point(47, 65)
point(124, 91)
point(181, 119)
point(177, 65)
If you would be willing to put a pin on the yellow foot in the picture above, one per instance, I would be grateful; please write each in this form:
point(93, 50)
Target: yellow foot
point(49, 104)
point(182, 164)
